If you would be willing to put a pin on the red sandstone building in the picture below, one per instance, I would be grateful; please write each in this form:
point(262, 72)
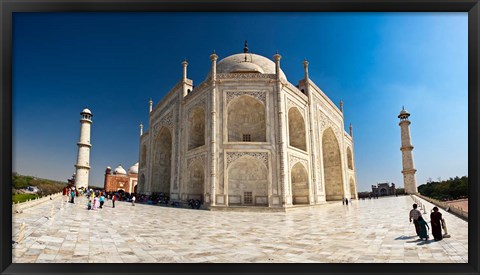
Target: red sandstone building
point(121, 180)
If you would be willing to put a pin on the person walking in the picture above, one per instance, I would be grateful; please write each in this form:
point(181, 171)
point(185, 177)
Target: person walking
point(89, 205)
point(346, 201)
point(133, 200)
point(102, 200)
point(343, 201)
point(414, 215)
point(95, 200)
point(423, 225)
point(437, 223)
point(72, 196)
point(114, 198)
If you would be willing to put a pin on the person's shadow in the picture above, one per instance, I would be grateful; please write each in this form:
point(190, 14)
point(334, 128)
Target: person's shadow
point(423, 242)
point(403, 237)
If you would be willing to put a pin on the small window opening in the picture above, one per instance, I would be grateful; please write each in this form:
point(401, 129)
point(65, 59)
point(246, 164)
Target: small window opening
point(247, 198)
point(247, 137)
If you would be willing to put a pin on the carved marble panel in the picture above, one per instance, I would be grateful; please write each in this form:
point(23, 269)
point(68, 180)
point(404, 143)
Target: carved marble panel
point(232, 156)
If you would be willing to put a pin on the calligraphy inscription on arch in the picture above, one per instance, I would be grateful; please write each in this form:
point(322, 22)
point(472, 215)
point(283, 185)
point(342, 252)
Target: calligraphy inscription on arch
point(198, 103)
point(260, 95)
point(292, 159)
point(166, 120)
point(291, 103)
point(200, 158)
point(233, 156)
point(326, 122)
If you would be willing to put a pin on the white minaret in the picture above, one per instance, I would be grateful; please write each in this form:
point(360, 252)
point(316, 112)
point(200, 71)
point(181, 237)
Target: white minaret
point(409, 180)
point(83, 159)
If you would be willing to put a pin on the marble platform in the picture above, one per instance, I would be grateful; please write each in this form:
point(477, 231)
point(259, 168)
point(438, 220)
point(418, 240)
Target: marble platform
point(365, 231)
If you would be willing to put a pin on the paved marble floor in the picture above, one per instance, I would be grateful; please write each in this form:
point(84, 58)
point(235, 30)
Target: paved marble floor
point(367, 231)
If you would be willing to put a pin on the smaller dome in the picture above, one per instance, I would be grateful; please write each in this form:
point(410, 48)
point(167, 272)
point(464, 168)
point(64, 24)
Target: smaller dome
point(404, 112)
point(86, 111)
point(120, 171)
point(108, 167)
point(133, 169)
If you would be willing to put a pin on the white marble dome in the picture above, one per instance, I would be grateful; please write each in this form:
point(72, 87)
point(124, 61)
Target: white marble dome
point(120, 171)
point(133, 169)
point(247, 63)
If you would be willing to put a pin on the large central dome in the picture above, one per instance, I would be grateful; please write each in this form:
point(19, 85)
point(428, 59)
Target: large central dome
point(247, 63)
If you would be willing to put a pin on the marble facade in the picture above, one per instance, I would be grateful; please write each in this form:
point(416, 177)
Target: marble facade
point(247, 137)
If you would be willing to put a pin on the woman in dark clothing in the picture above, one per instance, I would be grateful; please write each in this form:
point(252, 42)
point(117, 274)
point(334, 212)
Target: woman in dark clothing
point(423, 225)
point(436, 220)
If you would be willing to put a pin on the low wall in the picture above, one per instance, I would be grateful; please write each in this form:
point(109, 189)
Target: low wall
point(444, 205)
point(17, 207)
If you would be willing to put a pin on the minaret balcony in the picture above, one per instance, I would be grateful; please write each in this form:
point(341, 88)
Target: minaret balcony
point(84, 144)
point(79, 166)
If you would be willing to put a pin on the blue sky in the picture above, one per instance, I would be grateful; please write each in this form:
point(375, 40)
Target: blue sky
point(115, 62)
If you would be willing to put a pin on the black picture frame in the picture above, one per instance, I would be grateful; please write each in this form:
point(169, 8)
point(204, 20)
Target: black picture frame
point(8, 7)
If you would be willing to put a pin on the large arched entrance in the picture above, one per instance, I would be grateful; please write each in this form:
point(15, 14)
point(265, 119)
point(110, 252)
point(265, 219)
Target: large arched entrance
point(247, 182)
point(299, 180)
point(246, 120)
point(162, 161)
point(196, 181)
point(332, 166)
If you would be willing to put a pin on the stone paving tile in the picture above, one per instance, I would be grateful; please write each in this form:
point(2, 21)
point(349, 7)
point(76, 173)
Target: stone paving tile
point(366, 231)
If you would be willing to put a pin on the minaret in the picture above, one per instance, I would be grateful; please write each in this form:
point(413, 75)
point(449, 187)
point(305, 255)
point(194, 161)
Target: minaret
point(141, 129)
point(409, 180)
point(150, 104)
point(83, 159)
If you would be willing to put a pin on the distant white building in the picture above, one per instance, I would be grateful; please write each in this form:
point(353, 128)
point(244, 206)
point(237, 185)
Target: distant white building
point(246, 136)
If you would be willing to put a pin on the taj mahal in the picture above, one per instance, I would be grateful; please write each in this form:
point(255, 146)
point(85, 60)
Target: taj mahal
point(247, 138)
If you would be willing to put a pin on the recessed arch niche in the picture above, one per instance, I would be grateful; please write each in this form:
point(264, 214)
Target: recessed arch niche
point(332, 166)
point(296, 129)
point(299, 181)
point(246, 116)
point(196, 128)
point(349, 159)
point(247, 175)
point(162, 161)
point(196, 180)
point(353, 194)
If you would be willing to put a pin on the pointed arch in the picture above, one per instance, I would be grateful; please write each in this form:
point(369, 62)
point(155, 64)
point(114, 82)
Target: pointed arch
point(143, 156)
point(299, 181)
point(353, 193)
point(162, 161)
point(349, 158)
point(248, 182)
point(246, 118)
point(296, 129)
point(196, 180)
point(332, 166)
point(196, 128)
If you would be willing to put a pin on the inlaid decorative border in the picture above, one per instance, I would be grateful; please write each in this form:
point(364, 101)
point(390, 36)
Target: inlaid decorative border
point(260, 95)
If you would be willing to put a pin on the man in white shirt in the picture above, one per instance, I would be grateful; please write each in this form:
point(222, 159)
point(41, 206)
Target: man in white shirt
point(414, 214)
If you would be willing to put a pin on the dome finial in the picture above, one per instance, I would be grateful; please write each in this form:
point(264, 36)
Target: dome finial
point(245, 48)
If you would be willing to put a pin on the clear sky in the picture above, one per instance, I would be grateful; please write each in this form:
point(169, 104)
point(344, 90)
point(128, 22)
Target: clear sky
point(113, 63)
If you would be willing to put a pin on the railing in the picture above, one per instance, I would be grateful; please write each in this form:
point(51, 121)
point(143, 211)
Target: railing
point(449, 208)
point(17, 207)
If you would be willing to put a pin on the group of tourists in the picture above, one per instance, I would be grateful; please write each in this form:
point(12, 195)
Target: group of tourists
point(345, 201)
point(421, 226)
